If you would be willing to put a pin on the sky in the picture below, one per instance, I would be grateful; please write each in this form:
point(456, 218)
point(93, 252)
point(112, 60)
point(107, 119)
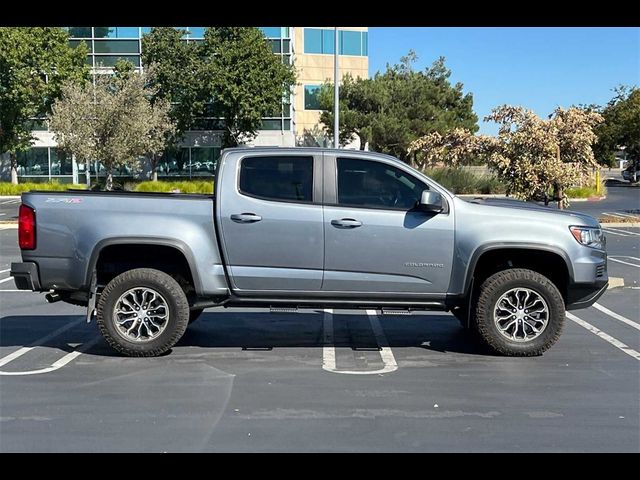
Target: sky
point(538, 68)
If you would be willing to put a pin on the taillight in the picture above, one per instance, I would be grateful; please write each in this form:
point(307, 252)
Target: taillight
point(27, 228)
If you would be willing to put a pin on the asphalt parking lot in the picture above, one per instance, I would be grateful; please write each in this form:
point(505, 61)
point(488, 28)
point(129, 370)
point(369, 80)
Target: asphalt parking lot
point(344, 380)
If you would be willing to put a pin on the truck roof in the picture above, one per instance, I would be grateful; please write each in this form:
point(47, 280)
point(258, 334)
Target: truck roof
point(310, 150)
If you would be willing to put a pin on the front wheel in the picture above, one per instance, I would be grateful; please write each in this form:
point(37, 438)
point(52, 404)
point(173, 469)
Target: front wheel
point(142, 312)
point(519, 312)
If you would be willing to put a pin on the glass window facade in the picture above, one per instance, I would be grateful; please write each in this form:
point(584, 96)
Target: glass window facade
point(196, 32)
point(44, 162)
point(116, 32)
point(311, 101)
point(313, 41)
point(60, 162)
point(117, 46)
point(110, 60)
point(34, 161)
point(275, 32)
point(322, 41)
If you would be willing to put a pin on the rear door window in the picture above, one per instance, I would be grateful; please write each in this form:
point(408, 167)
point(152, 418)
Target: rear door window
point(279, 178)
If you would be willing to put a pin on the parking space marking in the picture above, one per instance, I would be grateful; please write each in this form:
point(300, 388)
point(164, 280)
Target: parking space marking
point(622, 261)
point(614, 233)
point(620, 232)
point(59, 363)
point(4, 271)
point(613, 341)
point(6, 279)
point(388, 359)
point(617, 316)
point(329, 349)
point(18, 353)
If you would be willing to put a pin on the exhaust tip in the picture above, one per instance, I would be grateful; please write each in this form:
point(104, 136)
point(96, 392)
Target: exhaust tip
point(52, 297)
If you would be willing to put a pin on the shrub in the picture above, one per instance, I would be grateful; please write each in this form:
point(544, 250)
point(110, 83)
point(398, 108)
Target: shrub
point(7, 188)
point(187, 186)
point(461, 181)
point(584, 192)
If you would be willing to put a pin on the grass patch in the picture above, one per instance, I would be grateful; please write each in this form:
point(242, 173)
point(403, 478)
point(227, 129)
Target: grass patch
point(187, 186)
point(7, 188)
point(461, 181)
point(584, 192)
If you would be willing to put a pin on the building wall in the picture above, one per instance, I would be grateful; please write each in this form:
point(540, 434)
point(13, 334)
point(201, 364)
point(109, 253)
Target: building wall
point(316, 69)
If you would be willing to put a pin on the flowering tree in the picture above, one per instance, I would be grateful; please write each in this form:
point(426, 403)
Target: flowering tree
point(532, 156)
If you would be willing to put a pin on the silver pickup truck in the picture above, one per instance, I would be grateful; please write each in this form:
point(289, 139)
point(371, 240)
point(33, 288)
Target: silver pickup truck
point(293, 228)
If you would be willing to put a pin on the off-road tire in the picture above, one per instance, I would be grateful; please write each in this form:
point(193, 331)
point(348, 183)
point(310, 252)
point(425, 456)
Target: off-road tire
point(490, 292)
point(165, 285)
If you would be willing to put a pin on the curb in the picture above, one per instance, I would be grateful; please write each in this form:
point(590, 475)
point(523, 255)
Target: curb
point(615, 282)
point(10, 197)
point(590, 199)
point(620, 224)
point(481, 195)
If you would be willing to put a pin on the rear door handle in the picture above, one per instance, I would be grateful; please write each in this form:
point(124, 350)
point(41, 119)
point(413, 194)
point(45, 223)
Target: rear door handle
point(245, 217)
point(346, 223)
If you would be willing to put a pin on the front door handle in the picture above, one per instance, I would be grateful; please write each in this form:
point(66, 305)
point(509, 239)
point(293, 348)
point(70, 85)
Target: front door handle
point(245, 217)
point(346, 223)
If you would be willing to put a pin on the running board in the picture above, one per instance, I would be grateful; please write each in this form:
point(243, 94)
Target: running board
point(396, 311)
point(273, 309)
point(292, 304)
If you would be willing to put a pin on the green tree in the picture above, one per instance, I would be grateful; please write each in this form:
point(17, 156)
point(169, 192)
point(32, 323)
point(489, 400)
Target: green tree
point(245, 80)
point(621, 126)
point(396, 107)
point(179, 73)
point(34, 64)
point(112, 121)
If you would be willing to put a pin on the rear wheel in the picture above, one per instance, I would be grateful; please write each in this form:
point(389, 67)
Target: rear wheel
point(142, 312)
point(519, 312)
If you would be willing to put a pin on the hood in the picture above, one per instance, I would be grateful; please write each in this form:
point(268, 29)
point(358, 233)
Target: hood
point(513, 204)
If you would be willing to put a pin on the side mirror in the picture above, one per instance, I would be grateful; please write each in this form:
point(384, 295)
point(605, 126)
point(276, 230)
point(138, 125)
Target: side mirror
point(430, 202)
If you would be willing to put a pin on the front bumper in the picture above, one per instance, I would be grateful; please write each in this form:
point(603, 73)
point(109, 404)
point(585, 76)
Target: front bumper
point(585, 295)
point(26, 276)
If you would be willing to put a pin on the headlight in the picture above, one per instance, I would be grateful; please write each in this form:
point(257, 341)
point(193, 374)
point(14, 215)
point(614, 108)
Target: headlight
point(589, 236)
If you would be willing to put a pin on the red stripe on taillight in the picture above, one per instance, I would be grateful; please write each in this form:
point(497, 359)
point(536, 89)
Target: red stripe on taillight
point(27, 228)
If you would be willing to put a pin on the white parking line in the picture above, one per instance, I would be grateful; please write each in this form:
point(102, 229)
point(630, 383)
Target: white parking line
point(620, 232)
point(613, 341)
point(58, 364)
point(6, 279)
point(329, 349)
point(617, 316)
point(18, 353)
point(614, 233)
point(621, 261)
point(4, 271)
point(629, 256)
point(1, 214)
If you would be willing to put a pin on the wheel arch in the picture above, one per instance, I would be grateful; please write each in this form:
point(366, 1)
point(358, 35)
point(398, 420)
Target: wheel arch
point(518, 251)
point(176, 245)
